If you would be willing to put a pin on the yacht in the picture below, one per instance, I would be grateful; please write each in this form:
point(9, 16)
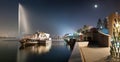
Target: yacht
point(36, 38)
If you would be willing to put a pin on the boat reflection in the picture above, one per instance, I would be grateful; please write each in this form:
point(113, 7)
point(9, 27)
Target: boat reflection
point(37, 48)
point(25, 51)
point(70, 43)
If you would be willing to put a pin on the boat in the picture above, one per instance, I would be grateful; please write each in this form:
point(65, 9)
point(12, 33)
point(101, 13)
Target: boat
point(36, 38)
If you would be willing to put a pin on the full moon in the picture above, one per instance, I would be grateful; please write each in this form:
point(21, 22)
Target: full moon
point(95, 6)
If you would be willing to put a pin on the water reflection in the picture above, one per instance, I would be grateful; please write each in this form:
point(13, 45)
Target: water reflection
point(8, 51)
point(70, 43)
point(36, 49)
point(51, 52)
point(12, 51)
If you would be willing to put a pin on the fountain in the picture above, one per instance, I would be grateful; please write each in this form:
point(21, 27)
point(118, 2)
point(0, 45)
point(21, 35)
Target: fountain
point(23, 25)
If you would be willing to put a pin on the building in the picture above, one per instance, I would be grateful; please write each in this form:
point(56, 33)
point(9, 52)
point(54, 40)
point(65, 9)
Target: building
point(113, 20)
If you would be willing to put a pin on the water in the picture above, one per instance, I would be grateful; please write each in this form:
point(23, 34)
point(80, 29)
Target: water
point(12, 51)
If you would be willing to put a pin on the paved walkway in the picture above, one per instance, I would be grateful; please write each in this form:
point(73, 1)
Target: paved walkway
point(75, 55)
point(95, 54)
point(89, 54)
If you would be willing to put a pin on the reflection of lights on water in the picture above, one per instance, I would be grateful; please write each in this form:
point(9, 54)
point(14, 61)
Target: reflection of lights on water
point(37, 49)
point(41, 49)
point(23, 22)
point(68, 46)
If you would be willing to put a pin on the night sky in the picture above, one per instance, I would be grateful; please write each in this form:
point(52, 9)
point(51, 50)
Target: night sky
point(56, 17)
point(8, 17)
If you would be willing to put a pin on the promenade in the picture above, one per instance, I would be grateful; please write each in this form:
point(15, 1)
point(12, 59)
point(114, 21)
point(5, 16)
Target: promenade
point(89, 54)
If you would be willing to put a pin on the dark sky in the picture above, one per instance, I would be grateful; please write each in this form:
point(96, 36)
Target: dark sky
point(8, 17)
point(57, 17)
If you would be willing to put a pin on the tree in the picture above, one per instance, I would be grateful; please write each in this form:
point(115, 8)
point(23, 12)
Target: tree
point(105, 23)
point(99, 24)
point(79, 30)
point(85, 29)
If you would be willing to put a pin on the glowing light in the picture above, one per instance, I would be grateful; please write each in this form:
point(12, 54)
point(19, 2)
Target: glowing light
point(64, 29)
point(70, 34)
point(117, 25)
point(96, 6)
point(23, 27)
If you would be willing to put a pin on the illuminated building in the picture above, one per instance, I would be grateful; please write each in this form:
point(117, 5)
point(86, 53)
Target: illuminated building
point(112, 20)
point(114, 31)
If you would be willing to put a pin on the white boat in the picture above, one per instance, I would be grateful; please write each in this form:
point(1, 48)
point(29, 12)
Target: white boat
point(38, 37)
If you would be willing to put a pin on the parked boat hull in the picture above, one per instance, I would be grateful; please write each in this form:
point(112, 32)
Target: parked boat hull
point(32, 42)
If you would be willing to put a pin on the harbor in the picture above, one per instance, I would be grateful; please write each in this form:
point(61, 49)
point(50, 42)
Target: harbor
point(59, 30)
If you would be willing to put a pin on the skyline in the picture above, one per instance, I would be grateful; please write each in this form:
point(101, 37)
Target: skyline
point(56, 17)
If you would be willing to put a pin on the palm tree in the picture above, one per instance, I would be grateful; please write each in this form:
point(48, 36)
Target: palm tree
point(85, 29)
point(79, 30)
point(99, 24)
point(105, 23)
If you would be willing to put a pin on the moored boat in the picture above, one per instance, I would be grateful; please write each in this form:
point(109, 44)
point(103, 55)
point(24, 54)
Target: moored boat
point(37, 38)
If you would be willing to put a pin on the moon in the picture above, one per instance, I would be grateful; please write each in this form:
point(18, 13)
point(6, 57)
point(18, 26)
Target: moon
point(95, 6)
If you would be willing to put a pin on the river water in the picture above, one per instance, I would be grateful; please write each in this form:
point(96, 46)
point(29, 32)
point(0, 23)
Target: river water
point(12, 51)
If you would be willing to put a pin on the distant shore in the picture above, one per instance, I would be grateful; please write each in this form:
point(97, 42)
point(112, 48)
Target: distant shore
point(9, 38)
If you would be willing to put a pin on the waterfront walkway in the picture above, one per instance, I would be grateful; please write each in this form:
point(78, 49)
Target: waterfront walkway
point(89, 54)
point(75, 55)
